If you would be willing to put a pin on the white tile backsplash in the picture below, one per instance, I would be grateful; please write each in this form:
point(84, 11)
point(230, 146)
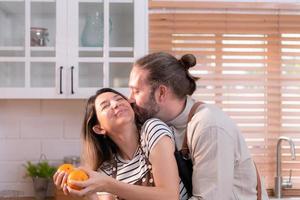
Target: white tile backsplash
point(42, 128)
point(10, 171)
point(17, 109)
point(19, 150)
point(31, 127)
point(54, 148)
point(72, 128)
point(63, 108)
point(9, 128)
point(25, 188)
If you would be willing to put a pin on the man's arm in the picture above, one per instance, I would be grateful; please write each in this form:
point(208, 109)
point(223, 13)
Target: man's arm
point(212, 152)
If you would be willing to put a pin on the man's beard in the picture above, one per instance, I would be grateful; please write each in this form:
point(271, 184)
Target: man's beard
point(149, 110)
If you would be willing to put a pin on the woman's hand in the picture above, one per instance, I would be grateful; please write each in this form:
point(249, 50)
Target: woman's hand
point(60, 180)
point(96, 183)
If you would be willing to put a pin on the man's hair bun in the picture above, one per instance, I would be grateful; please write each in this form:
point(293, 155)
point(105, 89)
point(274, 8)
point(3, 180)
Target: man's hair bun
point(188, 61)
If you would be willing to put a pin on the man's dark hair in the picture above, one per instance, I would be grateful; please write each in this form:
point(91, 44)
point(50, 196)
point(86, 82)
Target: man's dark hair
point(165, 69)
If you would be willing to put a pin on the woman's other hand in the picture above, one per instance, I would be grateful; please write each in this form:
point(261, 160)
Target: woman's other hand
point(60, 180)
point(96, 183)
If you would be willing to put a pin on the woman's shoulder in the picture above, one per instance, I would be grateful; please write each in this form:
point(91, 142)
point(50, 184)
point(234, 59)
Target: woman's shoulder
point(154, 123)
point(154, 128)
point(152, 132)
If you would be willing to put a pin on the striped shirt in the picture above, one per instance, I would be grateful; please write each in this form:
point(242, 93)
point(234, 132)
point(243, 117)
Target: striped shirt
point(130, 171)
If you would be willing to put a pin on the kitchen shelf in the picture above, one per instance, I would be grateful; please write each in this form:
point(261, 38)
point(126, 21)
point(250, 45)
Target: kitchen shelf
point(120, 1)
point(101, 1)
point(43, 1)
point(12, 48)
point(12, 59)
point(91, 60)
point(121, 49)
point(42, 48)
point(118, 60)
point(111, 49)
point(90, 49)
point(43, 59)
point(90, 1)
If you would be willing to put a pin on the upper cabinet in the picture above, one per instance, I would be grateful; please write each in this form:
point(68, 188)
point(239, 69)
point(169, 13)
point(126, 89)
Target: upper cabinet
point(69, 48)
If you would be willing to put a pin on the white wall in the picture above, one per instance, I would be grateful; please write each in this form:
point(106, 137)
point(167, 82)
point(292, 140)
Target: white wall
point(31, 127)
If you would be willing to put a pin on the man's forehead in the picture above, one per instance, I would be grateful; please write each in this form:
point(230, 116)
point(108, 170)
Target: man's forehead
point(138, 77)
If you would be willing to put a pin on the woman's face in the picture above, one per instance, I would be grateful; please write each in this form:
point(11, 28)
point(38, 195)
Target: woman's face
point(113, 111)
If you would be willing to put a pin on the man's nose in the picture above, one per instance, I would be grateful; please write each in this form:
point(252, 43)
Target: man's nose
point(130, 98)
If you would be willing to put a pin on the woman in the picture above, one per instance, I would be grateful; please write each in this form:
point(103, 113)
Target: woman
point(128, 159)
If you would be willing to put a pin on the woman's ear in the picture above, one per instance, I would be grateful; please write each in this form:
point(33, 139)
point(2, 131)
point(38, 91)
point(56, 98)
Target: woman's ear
point(98, 130)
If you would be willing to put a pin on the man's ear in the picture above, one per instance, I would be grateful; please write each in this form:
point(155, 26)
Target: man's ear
point(161, 93)
point(98, 130)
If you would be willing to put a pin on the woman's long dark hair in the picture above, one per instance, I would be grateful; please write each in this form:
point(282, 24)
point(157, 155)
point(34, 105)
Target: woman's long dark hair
point(97, 148)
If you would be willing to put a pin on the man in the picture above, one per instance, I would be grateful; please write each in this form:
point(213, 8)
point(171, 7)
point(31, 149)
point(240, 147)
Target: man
point(223, 169)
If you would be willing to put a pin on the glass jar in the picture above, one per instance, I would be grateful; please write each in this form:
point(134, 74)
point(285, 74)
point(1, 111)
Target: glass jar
point(39, 36)
point(93, 31)
point(74, 160)
point(92, 34)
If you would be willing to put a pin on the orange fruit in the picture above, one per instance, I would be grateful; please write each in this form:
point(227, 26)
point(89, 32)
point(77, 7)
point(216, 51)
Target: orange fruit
point(77, 175)
point(67, 168)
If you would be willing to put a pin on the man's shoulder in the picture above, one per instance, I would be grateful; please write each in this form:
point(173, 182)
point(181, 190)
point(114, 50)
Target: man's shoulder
point(206, 114)
point(208, 111)
point(210, 118)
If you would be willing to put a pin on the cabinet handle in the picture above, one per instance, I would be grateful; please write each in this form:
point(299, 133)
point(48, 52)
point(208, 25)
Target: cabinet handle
point(60, 79)
point(72, 80)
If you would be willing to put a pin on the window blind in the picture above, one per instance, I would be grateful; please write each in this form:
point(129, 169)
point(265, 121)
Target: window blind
point(248, 64)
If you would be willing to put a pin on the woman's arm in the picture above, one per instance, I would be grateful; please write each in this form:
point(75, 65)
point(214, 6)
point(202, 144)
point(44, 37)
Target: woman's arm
point(165, 174)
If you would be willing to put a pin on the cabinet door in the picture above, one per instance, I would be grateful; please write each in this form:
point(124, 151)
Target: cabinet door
point(32, 55)
point(85, 50)
point(46, 56)
point(121, 44)
point(69, 48)
point(12, 48)
point(127, 33)
point(107, 36)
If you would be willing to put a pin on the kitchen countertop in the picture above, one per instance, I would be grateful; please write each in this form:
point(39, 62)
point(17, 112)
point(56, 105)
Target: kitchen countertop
point(53, 198)
point(288, 194)
point(286, 198)
point(24, 198)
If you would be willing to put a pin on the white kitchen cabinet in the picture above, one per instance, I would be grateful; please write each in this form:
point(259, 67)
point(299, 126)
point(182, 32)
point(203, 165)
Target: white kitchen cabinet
point(90, 44)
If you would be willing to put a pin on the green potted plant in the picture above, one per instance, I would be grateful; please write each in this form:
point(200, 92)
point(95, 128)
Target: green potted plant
point(41, 173)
